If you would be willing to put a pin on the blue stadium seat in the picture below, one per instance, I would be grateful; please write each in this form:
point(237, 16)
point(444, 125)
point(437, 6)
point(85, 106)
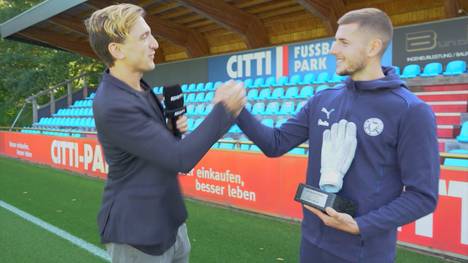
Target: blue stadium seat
point(200, 87)
point(190, 97)
point(272, 108)
point(258, 82)
point(287, 108)
point(208, 109)
point(294, 80)
point(268, 122)
point(297, 150)
point(456, 161)
point(234, 129)
point(432, 70)
point(292, 93)
point(299, 106)
point(277, 93)
point(197, 123)
point(306, 92)
point(270, 82)
point(184, 87)
point(463, 137)
point(209, 86)
point(190, 124)
point(244, 147)
point(264, 94)
point(337, 78)
point(280, 122)
point(200, 97)
point(455, 67)
point(200, 109)
point(192, 87)
point(308, 79)
point(190, 109)
point(248, 83)
point(322, 78)
point(411, 71)
point(209, 96)
point(282, 81)
point(254, 148)
point(322, 87)
point(397, 70)
point(253, 94)
point(258, 108)
point(248, 106)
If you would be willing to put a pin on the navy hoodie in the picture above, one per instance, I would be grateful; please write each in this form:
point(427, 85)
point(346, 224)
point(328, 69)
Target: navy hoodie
point(394, 175)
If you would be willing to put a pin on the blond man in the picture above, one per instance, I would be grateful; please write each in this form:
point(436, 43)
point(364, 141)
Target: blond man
point(142, 217)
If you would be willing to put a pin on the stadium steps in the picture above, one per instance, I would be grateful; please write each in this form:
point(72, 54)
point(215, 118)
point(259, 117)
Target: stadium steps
point(453, 87)
point(448, 118)
point(449, 106)
point(448, 131)
point(456, 95)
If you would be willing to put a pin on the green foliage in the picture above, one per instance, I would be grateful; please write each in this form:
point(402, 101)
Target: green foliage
point(27, 69)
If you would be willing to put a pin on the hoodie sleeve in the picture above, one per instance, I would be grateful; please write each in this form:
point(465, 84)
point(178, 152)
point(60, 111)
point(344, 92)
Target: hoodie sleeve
point(418, 158)
point(275, 142)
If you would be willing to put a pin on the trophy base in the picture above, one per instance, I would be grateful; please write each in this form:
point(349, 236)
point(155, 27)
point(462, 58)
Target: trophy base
point(320, 199)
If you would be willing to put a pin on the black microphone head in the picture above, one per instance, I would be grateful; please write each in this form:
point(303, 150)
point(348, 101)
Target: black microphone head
point(173, 100)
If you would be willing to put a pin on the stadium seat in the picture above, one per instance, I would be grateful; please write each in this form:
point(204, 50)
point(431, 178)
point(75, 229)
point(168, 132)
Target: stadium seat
point(200, 87)
point(463, 137)
point(277, 93)
point(306, 92)
point(322, 78)
point(291, 93)
point(282, 81)
point(200, 109)
point(432, 70)
point(254, 148)
point(200, 97)
point(258, 82)
point(253, 94)
point(190, 109)
point(184, 88)
point(209, 86)
point(192, 87)
point(258, 108)
point(190, 124)
point(209, 96)
point(322, 87)
point(208, 109)
point(190, 97)
point(411, 71)
point(268, 122)
point(244, 147)
point(337, 78)
point(270, 82)
point(299, 106)
point(272, 108)
point(287, 108)
point(197, 123)
point(397, 70)
point(248, 83)
point(308, 79)
point(280, 122)
point(294, 80)
point(297, 150)
point(456, 161)
point(264, 94)
point(235, 129)
point(248, 106)
point(455, 67)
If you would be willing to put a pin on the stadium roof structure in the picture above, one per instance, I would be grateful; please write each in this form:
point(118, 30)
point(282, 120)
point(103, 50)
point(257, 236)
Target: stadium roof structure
point(195, 28)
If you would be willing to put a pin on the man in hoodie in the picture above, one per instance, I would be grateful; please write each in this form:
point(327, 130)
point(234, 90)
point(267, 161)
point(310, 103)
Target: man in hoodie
point(393, 178)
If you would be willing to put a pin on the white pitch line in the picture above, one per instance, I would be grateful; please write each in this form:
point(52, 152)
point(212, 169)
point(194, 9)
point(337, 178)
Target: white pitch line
point(57, 231)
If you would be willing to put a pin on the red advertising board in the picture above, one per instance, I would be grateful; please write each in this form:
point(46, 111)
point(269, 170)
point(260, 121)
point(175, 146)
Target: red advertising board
point(253, 182)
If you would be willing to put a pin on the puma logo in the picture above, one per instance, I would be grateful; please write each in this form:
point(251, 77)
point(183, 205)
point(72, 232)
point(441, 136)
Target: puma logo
point(323, 123)
point(324, 110)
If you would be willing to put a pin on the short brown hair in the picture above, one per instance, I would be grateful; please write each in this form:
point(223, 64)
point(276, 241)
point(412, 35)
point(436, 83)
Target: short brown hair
point(111, 24)
point(372, 19)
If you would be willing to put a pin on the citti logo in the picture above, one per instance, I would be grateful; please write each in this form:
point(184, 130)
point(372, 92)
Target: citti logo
point(373, 126)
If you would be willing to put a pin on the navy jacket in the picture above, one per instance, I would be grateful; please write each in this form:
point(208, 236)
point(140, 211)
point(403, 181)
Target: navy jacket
point(394, 175)
point(142, 203)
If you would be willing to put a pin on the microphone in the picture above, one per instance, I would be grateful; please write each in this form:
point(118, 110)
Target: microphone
point(174, 105)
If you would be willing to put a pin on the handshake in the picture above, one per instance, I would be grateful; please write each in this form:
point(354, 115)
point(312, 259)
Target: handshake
point(232, 95)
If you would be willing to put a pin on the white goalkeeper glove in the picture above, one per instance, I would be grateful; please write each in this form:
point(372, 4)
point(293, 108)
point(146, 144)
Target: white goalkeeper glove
point(338, 149)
